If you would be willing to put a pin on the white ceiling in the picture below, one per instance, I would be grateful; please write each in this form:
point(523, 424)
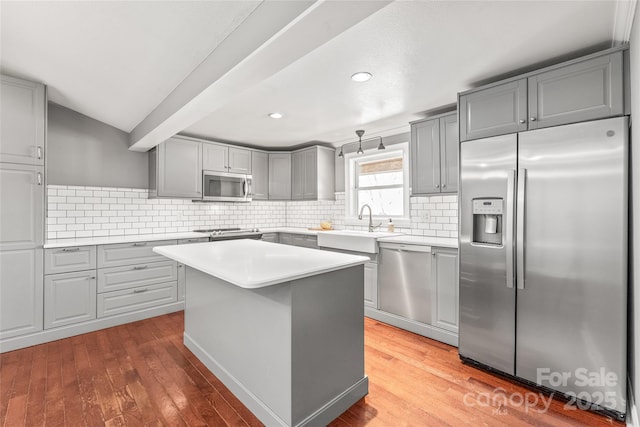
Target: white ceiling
point(118, 61)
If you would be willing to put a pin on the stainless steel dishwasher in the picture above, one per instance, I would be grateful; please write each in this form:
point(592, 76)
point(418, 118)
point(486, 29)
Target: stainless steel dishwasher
point(404, 280)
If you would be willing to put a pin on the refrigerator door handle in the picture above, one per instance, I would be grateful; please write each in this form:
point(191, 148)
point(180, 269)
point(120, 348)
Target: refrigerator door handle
point(520, 209)
point(511, 179)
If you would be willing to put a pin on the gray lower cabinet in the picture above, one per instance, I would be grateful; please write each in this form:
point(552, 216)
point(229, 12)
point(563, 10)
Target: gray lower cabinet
point(279, 176)
point(260, 174)
point(23, 121)
point(69, 298)
point(271, 237)
point(182, 281)
point(371, 284)
point(434, 155)
point(175, 169)
point(130, 253)
point(444, 276)
point(128, 276)
point(578, 90)
point(64, 260)
point(134, 299)
point(286, 238)
point(304, 240)
point(21, 291)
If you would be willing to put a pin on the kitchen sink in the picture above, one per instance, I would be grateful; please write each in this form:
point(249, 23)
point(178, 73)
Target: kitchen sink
point(349, 240)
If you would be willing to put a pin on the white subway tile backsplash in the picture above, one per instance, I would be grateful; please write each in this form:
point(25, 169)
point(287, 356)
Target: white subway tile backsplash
point(75, 211)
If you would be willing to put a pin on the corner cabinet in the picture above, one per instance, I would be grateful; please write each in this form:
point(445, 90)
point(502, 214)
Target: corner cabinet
point(279, 176)
point(260, 173)
point(313, 174)
point(434, 155)
point(579, 90)
point(175, 169)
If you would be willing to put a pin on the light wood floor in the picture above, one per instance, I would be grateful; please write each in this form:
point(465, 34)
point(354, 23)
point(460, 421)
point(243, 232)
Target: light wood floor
point(141, 374)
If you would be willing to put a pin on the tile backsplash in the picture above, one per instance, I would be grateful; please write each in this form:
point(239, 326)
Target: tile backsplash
point(74, 211)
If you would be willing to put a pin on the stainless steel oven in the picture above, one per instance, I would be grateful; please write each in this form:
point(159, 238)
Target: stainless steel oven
point(226, 187)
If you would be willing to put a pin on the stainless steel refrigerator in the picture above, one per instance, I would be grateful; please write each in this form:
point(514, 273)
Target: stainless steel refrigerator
point(543, 258)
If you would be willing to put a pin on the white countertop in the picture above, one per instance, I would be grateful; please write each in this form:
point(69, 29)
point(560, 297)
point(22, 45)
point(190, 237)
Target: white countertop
point(440, 242)
point(109, 240)
point(255, 264)
point(293, 230)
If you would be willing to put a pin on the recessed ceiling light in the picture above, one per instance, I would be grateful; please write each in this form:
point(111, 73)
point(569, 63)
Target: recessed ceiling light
point(275, 115)
point(361, 76)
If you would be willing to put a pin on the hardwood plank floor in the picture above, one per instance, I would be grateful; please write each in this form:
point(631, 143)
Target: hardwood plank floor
point(141, 374)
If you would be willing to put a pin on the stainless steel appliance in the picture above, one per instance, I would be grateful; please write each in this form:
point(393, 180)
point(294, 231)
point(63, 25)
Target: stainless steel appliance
point(226, 187)
point(216, 234)
point(402, 287)
point(543, 258)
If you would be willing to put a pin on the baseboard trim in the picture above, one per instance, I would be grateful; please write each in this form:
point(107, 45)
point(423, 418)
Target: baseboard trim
point(321, 417)
point(67, 331)
point(425, 330)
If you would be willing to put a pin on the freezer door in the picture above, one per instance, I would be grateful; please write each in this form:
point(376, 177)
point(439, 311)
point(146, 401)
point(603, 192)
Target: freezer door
point(572, 285)
point(487, 295)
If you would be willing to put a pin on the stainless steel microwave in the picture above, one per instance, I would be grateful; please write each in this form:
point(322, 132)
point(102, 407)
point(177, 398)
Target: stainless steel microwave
point(226, 187)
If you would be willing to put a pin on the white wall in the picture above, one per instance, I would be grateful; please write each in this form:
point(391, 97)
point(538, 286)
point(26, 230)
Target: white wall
point(634, 333)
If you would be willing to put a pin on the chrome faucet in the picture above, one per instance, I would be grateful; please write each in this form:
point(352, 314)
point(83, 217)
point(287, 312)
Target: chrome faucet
point(371, 227)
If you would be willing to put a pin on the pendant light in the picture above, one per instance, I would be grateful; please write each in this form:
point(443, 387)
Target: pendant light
point(360, 132)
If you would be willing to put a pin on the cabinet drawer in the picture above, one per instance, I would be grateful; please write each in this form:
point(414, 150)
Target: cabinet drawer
point(130, 276)
point(305, 241)
point(194, 240)
point(130, 253)
point(69, 298)
point(65, 260)
point(118, 302)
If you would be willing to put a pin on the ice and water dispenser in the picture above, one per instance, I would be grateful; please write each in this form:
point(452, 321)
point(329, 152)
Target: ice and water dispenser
point(487, 221)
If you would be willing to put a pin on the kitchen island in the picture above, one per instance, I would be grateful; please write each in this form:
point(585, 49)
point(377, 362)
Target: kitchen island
point(281, 326)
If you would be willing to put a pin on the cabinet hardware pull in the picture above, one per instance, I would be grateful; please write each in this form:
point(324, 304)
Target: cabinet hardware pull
point(437, 185)
point(522, 121)
point(39, 178)
point(91, 277)
point(139, 244)
point(39, 152)
point(70, 249)
point(444, 185)
point(140, 267)
point(533, 119)
point(139, 291)
point(180, 265)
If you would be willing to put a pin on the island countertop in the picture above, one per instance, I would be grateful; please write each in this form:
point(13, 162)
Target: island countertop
point(255, 264)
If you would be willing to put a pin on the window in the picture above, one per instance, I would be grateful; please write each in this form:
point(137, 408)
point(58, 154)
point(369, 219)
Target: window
point(379, 179)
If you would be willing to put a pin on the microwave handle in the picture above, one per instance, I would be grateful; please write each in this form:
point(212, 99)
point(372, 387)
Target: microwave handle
point(244, 187)
point(249, 188)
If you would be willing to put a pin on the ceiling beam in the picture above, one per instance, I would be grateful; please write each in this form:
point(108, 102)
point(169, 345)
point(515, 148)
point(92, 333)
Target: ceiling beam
point(274, 36)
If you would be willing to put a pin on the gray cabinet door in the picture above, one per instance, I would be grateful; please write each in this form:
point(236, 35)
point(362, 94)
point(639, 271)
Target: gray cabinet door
point(21, 280)
point(449, 154)
point(425, 157)
point(260, 172)
point(69, 298)
point(445, 278)
point(22, 117)
point(298, 177)
point(310, 180)
point(586, 90)
point(22, 207)
point(180, 168)
point(494, 111)
point(279, 176)
point(215, 157)
point(239, 160)
point(371, 284)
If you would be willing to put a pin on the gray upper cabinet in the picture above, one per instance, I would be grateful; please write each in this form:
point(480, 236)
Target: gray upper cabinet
point(279, 176)
point(23, 120)
point(578, 90)
point(586, 90)
point(434, 155)
point(497, 110)
point(22, 207)
point(313, 174)
point(175, 169)
point(260, 172)
point(223, 158)
point(214, 157)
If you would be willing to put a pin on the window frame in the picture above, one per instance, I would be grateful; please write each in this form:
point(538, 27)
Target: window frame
point(351, 160)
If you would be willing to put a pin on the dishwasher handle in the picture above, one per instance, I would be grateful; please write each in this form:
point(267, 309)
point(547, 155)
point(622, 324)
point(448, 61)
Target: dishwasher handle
point(405, 247)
